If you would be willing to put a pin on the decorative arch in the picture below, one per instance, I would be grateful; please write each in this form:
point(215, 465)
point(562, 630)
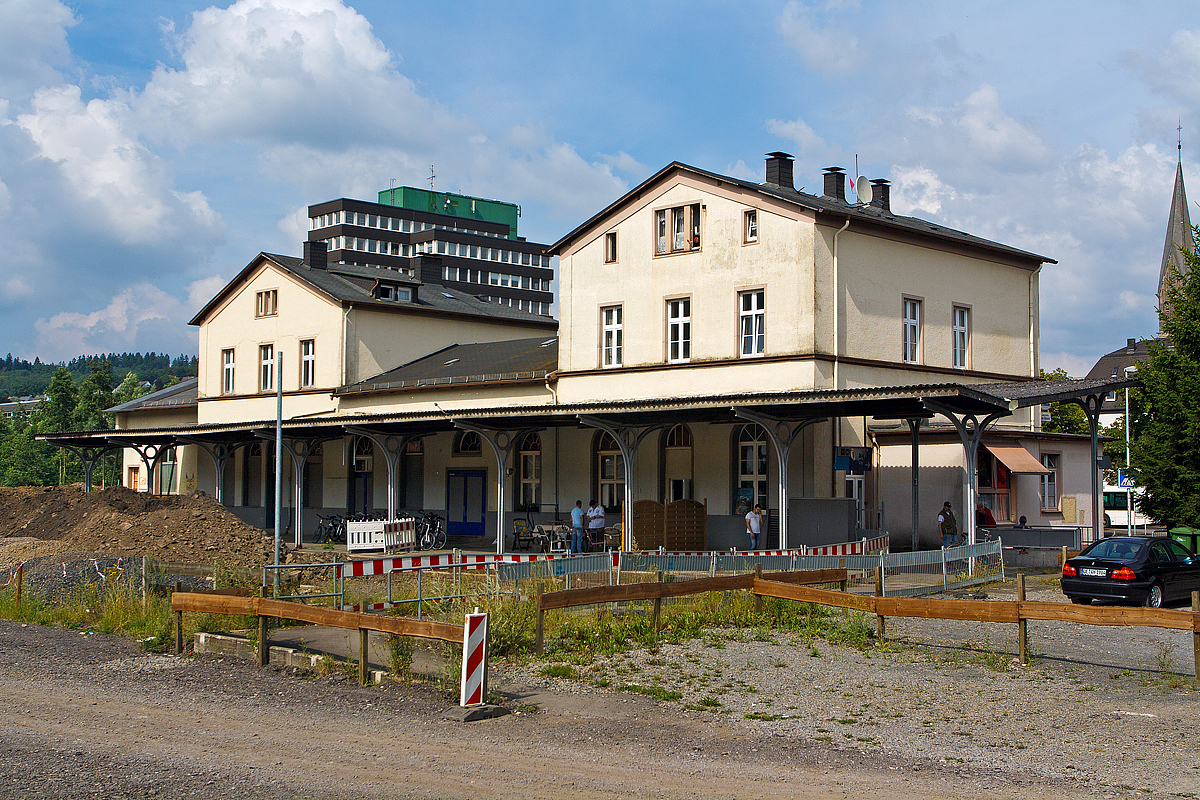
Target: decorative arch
point(750, 468)
point(676, 460)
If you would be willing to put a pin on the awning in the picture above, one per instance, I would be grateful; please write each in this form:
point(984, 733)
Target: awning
point(1016, 458)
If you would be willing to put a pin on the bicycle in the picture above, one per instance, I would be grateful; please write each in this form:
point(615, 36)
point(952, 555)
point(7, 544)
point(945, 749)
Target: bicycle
point(431, 533)
point(331, 529)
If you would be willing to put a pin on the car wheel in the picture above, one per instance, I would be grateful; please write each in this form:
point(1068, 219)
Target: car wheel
point(1107, 521)
point(1081, 601)
point(1154, 598)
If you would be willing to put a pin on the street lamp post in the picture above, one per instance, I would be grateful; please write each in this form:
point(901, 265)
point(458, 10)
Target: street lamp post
point(1128, 466)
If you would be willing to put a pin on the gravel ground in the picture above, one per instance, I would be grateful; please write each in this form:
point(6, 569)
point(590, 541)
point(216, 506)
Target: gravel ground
point(1106, 709)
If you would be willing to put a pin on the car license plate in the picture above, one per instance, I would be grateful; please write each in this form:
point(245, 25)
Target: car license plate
point(1094, 573)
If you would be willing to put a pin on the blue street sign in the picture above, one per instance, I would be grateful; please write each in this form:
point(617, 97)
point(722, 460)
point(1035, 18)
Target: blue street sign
point(1127, 478)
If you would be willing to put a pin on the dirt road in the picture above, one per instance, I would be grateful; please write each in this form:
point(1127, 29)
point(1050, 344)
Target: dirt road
point(89, 716)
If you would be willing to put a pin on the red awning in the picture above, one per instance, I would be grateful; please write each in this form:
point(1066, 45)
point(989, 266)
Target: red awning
point(1016, 458)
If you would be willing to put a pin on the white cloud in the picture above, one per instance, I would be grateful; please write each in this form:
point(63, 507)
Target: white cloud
point(811, 146)
point(826, 49)
point(33, 42)
point(121, 323)
point(919, 192)
point(623, 162)
point(199, 292)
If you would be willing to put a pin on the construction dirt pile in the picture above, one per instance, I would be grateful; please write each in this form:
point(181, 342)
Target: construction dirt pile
point(193, 529)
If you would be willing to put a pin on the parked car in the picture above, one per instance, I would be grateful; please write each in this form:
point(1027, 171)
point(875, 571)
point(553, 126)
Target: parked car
point(1153, 571)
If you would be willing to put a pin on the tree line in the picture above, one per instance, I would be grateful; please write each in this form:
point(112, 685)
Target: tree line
point(70, 405)
point(21, 378)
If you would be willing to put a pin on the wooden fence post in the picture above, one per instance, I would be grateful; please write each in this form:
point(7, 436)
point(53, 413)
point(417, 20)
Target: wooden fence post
point(538, 629)
point(845, 579)
point(658, 605)
point(1196, 636)
point(879, 621)
point(757, 596)
point(1022, 649)
point(178, 628)
point(362, 656)
point(264, 637)
point(20, 581)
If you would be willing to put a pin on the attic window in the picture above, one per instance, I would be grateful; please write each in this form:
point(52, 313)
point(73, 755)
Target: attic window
point(548, 342)
point(451, 361)
point(389, 291)
point(447, 294)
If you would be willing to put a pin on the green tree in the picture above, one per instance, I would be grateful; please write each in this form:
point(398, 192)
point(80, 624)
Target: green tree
point(130, 389)
point(1064, 417)
point(95, 396)
point(1166, 450)
point(57, 411)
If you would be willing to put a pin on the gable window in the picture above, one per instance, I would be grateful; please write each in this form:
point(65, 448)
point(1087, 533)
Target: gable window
point(677, 229)
point(610, 247)
point(962, 337)
point(612, 337)
point(529, 454)
point(308, 363)
point(227, 371)
point(266, 303)
point(679, 330)
point(911, 331)
point(751, 226)
point(266, 358)
point(753, 317)
point(752, 463)
point(1049, 487)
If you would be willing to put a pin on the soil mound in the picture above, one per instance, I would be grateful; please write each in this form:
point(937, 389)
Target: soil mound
point(194, 528)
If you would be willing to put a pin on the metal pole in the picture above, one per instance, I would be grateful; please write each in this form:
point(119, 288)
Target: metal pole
point(1129, 490)
point(913, 426)
point(278, 458)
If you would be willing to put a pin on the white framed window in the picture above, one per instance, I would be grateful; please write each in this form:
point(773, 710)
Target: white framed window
point(911, 331)
point(612, 337)
point(610, 247)
point(750, 228)
point(308, 363)
point(679, 330)
point(266, 358)
point(529, 454)
point(752, 309)
point(227, 371)
point(610, 473)
point(1049, 486)
point(962, 337)
point(683, 234)
point(266, 303)
point(752, 469)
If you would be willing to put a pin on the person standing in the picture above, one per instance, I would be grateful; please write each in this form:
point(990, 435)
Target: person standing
point(577, 527)
point(947, 525)
point(754, 521)
point(595, 516)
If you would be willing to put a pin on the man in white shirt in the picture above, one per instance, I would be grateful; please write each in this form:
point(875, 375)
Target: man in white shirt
point(754, 521)
point(595, 515)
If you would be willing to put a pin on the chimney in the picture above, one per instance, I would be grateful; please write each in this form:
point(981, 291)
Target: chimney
point(835, 184)
point(1130, 346)
point(779, 171)
point(316, 255)
point(881, 194)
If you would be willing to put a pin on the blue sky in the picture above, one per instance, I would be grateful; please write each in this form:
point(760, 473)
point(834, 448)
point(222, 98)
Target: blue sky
point(148, 150)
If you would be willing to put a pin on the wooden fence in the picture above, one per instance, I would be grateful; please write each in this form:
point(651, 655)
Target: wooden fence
point(658, 590)
point(265, 608)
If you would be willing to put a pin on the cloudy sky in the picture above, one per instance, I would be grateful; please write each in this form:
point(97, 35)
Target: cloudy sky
point(148, 150)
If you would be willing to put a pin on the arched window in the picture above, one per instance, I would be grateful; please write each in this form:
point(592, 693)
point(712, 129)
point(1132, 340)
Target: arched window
point(529, 456)
point(677, 465)
point(610, 473)
point(364, 455)
point(751, 468)
point(467, 443)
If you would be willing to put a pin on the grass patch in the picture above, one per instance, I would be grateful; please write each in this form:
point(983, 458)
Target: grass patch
point(559, 671)
point(657, 692)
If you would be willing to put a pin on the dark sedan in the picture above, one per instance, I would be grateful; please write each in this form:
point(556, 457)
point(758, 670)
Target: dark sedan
point(1132, 569)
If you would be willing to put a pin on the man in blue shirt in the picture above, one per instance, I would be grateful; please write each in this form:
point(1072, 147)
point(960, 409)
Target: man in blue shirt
point(577, 527)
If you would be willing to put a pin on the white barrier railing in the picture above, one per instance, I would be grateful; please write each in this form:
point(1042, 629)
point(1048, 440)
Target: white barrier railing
point(386, 535)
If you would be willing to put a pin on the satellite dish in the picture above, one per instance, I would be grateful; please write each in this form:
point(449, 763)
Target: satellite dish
point(865, 195)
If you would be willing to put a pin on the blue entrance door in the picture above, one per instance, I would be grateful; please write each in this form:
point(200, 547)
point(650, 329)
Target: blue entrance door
point(466, 500)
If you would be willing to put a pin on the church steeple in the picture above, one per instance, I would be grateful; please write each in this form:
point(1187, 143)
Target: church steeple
point(1179, 234)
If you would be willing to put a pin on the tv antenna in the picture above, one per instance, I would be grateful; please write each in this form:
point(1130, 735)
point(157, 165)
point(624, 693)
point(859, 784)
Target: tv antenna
point(432, 175)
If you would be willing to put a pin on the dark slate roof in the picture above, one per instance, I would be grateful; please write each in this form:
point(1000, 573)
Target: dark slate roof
point(485, 362)
point(335, 282)
point(181, 394)
point(871, 214)
point(1112, 365)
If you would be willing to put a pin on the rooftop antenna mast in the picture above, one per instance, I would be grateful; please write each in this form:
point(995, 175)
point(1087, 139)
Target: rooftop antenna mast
point(432, 175)
point(1179, 140)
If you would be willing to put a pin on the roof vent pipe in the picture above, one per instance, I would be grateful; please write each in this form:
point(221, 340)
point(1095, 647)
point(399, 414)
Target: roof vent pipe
point(835, 184)
point(316, 255)
point(779, 171)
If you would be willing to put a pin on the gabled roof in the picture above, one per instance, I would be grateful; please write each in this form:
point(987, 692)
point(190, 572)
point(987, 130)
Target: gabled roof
point(873, 215)
point(180, 395)
point(1112, 365)
point(485, 362)
point(335, 283)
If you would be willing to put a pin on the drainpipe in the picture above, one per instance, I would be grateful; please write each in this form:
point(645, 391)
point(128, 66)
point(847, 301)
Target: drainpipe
point(345, 343)
point(835, 302)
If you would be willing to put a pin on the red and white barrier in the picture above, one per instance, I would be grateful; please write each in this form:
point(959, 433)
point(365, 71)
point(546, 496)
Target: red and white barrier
point(382, 566)
point(474, 663)
point(386, 535)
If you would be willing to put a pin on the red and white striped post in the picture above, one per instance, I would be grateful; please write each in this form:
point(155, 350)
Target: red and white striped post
point(474, 662)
